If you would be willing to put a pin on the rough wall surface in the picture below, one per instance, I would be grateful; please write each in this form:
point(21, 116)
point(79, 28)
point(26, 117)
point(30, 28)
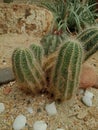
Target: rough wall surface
point(19, 18)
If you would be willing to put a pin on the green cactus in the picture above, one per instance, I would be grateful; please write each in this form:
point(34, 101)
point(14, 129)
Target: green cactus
point(89, 40)
point(38, 52)
point(65, 74)
point(28, 72)
point(52, 41)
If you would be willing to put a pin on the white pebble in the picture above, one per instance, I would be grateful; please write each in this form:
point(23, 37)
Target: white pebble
point(81, 91)
point(30, 110)
point(51, 109)
point(40, 125)
point(19, 122)
point(2, 107)
point(87, 101)
point(88, 94)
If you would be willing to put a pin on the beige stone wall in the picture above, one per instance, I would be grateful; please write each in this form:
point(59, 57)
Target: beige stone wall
point(19, 18)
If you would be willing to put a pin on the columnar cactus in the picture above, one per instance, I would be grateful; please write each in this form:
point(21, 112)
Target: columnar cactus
point(38, 52)
point(28, 72)
point(89, 40)
point(65, 74)
point(59, 69)
point(51, 42)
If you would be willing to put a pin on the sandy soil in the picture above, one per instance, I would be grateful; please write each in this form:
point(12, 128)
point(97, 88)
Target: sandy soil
point(75, 117)
point(9, 42)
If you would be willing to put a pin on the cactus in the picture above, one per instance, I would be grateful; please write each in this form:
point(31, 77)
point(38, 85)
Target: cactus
point(38, 52)
point(52, 41)
point(89, 40)
point(28, 72)
point(65, 74)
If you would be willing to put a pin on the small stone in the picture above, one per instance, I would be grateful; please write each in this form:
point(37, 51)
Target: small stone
point(7, 90)
point(82, 114)
point(19, 122)
point(51, 109)
point(39, 110)
point(96, 84)
point(87, 100)
point(30, 110)
point(4, 62)
point(2, 107)
point(81, 91)
point(6, 75)
point(88, 94)
point(40, 125)
point(88, 76)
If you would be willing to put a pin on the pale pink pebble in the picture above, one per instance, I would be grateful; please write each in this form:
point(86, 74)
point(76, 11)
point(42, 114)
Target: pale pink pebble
point(88, 76)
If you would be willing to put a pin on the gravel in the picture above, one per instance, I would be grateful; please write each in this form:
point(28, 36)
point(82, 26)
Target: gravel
point(2, 107)
point(19, 122)
point(51, 109)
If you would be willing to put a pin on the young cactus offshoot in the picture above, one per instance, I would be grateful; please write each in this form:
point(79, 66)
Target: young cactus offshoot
point(89, 40)
point(28, 72)
point(38, 52)
point(53, 40)
point(65, 75)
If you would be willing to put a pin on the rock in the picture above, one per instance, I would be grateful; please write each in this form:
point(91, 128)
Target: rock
point(87, 101)
point(6, 75)
point(24, 18)
point(87, 98)
point(40, 125)
point(51, 109)
point(19, 122)
point(88, 76)
point(2, 107)
point(30, 110)
point(96, 84)
point(88, 94)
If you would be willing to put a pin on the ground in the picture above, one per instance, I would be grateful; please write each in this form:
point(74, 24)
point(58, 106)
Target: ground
point(77, 116)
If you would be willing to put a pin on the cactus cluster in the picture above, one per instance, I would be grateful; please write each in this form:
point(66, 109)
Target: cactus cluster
point(57, 71)
point(28, 72)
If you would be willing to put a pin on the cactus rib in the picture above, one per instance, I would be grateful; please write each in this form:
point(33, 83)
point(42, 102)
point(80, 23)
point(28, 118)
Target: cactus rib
point(89, 40)
point(38, 52)
point(65, 75)
point(28, 72)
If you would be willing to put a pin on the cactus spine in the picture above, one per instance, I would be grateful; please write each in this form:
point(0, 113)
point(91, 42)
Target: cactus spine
point(89, 39)
point(28, 73)
point(38, 52)
point(65, 75)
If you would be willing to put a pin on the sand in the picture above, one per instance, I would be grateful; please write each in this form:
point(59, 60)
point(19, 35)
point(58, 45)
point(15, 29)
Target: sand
point(74, 117)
